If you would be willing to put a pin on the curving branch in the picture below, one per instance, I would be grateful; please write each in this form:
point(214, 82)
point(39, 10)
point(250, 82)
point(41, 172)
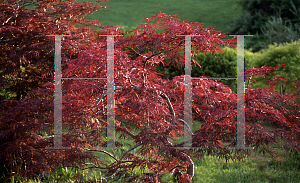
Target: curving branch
point(164, 96)
point(134, 86)
point(186, 125)
point(103, 95)
point(155, 54)
point(109, 154)
point(137, 145)
point(94, 166)
point(175, 152)
point(184, 142)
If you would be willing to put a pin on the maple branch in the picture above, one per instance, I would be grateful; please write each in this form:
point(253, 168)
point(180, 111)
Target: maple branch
point(134, 86)
point(5, 22)
point(153, 56)
point(137, 52)
point(109, 176)
point(94, 166)
point(117, 87)
point(12, 17)
point(175, 152)
point(103, 95)
point(186, 125)
point(121, 128)
point(249, 81)
point(147, 58)
point(111, 156)
point(126, 131)
point(184, 142)
point(164, 96)
point(127, 77)
point(103, 152)
point(130, 150)
point(181, 155)
point(119, 161)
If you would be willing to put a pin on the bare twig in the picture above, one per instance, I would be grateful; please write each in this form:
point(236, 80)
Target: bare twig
point(130, 150)
point(111, 176)
point(137, 52)
point(186, 125)
point(103, 95)
point(184, 142)
point(94, 166)
point(155, 54)
point(183, 156)
point(98, 150)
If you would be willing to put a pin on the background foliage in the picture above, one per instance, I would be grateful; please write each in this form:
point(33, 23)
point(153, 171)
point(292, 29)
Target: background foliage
point(212, 65)
point(288, 54)
point(269, 21)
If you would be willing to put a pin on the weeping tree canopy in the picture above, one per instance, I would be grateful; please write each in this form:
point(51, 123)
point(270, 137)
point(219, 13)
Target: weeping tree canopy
point(143, 100)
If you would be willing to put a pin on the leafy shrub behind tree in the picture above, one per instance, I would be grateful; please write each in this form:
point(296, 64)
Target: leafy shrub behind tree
point(288, 54)
point(212, 65)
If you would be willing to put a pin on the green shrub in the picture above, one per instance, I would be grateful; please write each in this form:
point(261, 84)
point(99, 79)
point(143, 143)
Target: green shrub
point(212, 65)
point(275, 55)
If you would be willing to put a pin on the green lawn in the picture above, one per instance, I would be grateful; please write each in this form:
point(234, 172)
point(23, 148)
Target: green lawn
point(218, 13)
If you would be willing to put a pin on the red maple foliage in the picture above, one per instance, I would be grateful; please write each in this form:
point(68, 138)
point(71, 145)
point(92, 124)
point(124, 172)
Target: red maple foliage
point(27, 53)
point(144, 101)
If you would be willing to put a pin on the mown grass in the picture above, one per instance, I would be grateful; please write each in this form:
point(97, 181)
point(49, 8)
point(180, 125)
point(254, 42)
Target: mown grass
point(129, 13)
point(218, 14)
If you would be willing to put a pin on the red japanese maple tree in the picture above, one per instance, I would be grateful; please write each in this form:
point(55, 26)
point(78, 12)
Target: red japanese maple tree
point(144, 101)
